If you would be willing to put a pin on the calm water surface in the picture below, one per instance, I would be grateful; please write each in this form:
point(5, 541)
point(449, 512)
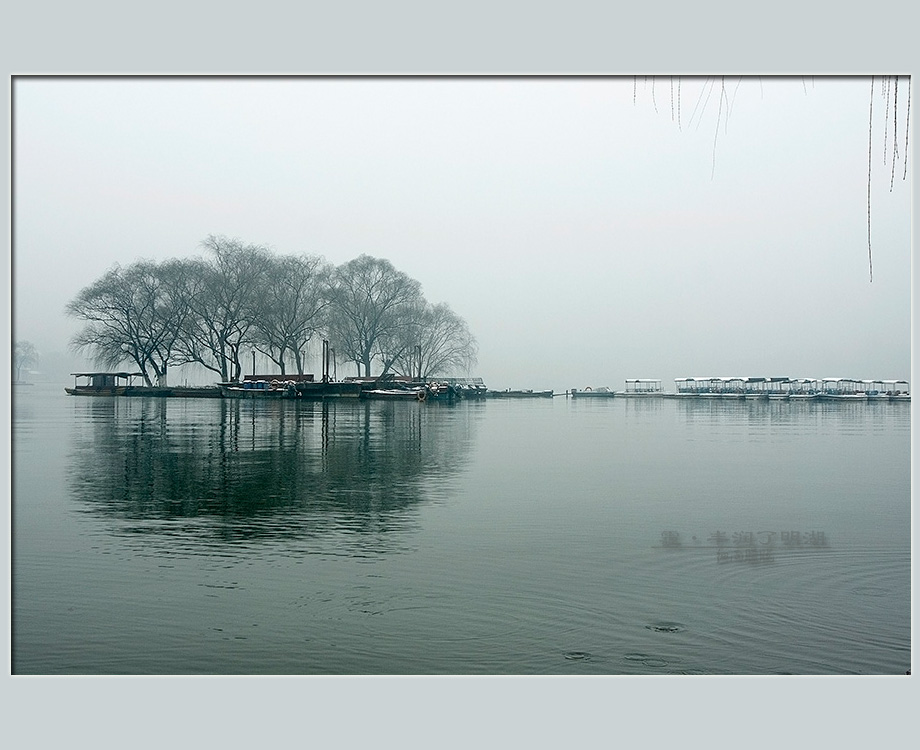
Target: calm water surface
point(548, 536)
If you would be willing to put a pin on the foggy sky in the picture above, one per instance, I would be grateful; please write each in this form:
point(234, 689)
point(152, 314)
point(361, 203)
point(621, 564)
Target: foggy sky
point(589, 230)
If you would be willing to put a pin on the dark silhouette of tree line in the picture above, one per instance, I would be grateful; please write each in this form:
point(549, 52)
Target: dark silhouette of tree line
point(241, 297)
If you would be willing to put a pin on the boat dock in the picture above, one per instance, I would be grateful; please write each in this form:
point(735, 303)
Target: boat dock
point(746, 388)
point(758, 389)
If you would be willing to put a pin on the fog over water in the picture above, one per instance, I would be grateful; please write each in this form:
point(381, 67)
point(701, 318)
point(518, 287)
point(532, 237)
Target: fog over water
point(587, 235)
point(588, 229)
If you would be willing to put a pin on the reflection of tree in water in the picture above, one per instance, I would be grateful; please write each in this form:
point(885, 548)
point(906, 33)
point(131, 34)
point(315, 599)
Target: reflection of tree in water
point(227, 471)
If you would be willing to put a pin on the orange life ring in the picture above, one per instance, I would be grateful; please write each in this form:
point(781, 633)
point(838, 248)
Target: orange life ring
point(421, 395)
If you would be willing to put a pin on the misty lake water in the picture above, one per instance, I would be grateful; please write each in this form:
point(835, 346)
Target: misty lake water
point(544, 536)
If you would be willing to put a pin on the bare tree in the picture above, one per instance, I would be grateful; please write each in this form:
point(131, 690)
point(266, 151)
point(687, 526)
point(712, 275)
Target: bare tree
point(399, 342)
point(290, 307)
point(134, 314)
point(369, 303)
point(224, 304)
point(24, 355)
point(438, 342)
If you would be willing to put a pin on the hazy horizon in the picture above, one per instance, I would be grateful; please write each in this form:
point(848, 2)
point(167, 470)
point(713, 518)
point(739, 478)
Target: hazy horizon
point(589, 230)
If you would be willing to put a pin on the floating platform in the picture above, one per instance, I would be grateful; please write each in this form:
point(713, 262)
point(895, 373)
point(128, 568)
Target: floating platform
point(519, 393)
point(590, 392)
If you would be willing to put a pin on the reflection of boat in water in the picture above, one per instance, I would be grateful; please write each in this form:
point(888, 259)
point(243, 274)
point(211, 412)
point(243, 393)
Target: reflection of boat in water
point(438, 391)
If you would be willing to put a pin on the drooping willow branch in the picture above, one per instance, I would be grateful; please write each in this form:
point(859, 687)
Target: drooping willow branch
point(889, 91)
point(869, 181)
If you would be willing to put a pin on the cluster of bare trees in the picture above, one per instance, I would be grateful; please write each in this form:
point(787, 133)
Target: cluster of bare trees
point(240, 297)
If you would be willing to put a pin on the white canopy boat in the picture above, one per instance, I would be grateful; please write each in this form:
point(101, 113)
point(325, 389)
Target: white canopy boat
point(842, 389)
point(642, 387)
point(900, 394)
point(803, 389)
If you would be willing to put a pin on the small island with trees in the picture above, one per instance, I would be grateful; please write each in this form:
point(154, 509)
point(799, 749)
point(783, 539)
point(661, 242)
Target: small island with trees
point(241, 298)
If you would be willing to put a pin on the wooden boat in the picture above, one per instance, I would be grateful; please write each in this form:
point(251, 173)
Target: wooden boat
point(441, 391)
point(471, 390)
point(432, 391)
point(464, 388)
point(102, 383)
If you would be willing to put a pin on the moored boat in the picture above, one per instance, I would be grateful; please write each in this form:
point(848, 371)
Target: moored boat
point(899, 394)
point(258, 389)
point(102, 383)
point(590, 392)
point(842, 389)
point(641, 387)
point(777, 388)
point(520, 393)
point(697, 387)
point(329, 389)
point(803, 389)
point(194, 391)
